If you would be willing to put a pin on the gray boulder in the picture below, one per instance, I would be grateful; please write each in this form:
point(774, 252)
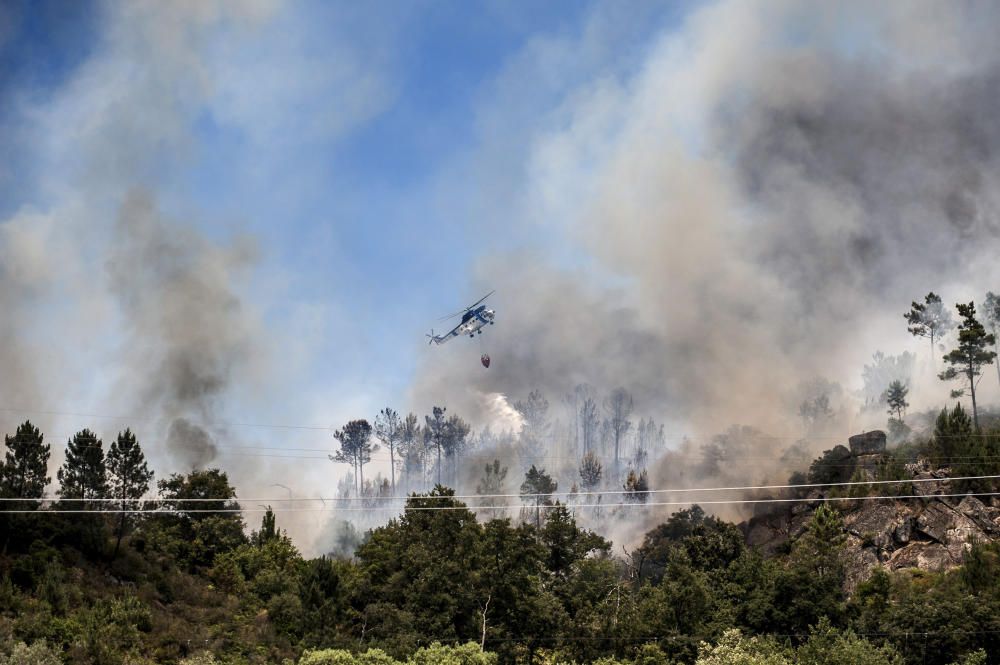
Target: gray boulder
point(869, 443)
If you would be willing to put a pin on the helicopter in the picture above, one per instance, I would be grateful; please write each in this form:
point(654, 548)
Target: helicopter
point(475, 317)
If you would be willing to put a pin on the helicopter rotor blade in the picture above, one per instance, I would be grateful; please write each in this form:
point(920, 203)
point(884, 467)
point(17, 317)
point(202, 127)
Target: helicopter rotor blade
point(472, 306)
point(480, 300)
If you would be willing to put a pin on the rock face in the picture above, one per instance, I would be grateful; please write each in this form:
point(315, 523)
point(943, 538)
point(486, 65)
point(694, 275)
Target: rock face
point(931, 532)
point(869, 443)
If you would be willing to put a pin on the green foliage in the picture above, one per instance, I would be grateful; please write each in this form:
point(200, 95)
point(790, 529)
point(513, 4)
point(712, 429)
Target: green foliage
point(426, 564)
point(344, 657)
point(735, 649)
point(651, 654)
point(709, 543)
point(128, 478)
point(929, 319)
point(812, 585)
point(967, 359)
point(895, 397)
point(834, 466)
point(828, 646)
point(23, 473)
point(389, 430)
point(465, 654)
point(567, 545)
point(38, 653)
point(636, 486)
point(493, 479)
point(536, 490)
point(590, 471)
point(83, 474)
point(196, 538)
point(203, 658)
point(977, 657)
point(187, 581)
point(356, 448)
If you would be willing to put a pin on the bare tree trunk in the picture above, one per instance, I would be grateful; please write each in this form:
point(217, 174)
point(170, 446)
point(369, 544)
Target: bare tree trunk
point(121, 530)
point(996, 345)
point(392, 466)
point(972, 391)
point(482, 640)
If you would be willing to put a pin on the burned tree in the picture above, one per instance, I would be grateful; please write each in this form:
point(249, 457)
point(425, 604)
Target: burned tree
point(618, 407)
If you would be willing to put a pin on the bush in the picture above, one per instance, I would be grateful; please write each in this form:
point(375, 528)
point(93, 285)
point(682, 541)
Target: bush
point(466, 654)
point(38, 653)
point(344, 657)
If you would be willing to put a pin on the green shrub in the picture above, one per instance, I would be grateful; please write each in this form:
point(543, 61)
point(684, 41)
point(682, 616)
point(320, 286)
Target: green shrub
point(38, 653)
point(466, 654)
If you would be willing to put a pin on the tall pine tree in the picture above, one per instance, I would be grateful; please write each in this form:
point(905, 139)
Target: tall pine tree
point(83, 474)
point(972, 353)
point(355, 449)
point(929, 319)
point(128, 476)
point(23, 474)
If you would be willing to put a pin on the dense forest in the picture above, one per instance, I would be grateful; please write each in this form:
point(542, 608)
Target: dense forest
point(103, 573)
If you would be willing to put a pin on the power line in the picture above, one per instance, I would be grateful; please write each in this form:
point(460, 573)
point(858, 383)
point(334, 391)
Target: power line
point(737, 488)
point(630, 504)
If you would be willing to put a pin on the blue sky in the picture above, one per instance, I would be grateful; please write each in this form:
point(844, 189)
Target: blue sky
point(375, 152)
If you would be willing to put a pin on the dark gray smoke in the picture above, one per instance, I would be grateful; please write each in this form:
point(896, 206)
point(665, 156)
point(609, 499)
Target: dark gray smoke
point(771, 204)
point(778, 182)
point(187, 333)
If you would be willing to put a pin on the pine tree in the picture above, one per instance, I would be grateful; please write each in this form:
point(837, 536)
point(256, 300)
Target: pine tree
point(589, 424)
point(537, 488)
point(128, 477)
point(895, 397)
point(618, 406)
point(388, 429)
point(435, 432)
point(991, 315)
point(268, 529)
point(83, 474)
point(929, 319)
point(455, 441)
point(24, 469)
point(636, 486)
point(355, 448)
point(972, 353)
point(492, 484)
point(590, 471)
point(535, 417)
point(411, 447)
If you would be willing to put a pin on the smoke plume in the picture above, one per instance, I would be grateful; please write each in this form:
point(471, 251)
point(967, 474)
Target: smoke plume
point(187, 330)
point(770, 197)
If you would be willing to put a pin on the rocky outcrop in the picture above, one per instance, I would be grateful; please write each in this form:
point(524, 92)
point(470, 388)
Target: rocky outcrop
point(869, 443)
point(931, 532)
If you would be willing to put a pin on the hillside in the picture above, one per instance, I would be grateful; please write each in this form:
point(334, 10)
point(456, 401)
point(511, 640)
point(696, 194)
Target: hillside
point(878, 556)
point(933, 532)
